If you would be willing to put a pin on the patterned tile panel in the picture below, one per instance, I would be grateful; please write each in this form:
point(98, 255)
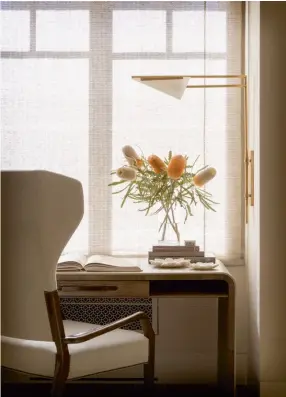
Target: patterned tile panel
point(105, 310)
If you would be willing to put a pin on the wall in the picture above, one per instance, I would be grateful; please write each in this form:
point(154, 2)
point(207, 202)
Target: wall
point(272, 198)
point(266, 265)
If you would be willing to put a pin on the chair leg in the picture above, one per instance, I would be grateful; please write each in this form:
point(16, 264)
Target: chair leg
point(60, 377)
point(149, 368)
point(149, 375)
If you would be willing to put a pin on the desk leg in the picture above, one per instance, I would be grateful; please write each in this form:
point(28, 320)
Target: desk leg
point(226, 344)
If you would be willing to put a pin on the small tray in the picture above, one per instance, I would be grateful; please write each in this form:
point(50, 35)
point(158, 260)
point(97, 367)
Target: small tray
point(170, 263)
point(203, 266)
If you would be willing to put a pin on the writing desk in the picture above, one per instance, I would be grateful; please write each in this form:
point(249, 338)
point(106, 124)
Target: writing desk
point(154, 283)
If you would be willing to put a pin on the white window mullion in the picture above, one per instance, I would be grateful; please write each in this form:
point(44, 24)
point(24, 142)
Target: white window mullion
point(33, 29)
point(100, 136)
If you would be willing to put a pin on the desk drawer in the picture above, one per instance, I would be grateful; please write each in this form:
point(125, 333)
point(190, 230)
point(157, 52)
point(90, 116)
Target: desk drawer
point(92, 288)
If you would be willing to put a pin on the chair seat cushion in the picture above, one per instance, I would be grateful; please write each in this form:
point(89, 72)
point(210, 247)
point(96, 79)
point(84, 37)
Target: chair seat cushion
point(116, 349)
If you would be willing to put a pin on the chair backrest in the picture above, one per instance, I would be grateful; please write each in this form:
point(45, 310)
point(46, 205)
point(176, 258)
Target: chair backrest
point(40, 211)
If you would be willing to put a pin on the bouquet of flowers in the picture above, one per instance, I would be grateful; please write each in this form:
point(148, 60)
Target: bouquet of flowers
point(162, 185)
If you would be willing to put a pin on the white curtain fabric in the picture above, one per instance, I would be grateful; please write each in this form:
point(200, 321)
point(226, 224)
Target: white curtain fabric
point(69, 105)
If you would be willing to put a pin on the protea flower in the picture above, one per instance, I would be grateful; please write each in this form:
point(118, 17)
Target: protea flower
point(204, 176)
point(131, 156)
point(176, 166)
point(157, 164)
point(126, 173)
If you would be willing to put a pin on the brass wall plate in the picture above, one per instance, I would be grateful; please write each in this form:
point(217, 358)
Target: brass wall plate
point(251, 195)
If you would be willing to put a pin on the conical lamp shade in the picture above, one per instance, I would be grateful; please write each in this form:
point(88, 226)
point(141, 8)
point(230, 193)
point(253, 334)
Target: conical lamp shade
point(173, 86)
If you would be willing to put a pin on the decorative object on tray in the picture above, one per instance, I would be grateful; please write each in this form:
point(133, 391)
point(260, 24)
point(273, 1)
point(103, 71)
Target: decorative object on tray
point(189, 251)
point(170, 263)
point(203, 266)
point(164, 186)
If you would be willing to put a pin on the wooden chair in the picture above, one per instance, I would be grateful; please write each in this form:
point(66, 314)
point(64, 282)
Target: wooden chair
point(40, 212)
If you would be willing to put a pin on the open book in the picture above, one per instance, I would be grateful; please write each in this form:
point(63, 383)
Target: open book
point(95, 263)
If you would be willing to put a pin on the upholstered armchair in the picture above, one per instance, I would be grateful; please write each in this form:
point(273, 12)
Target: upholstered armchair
point(40, 212)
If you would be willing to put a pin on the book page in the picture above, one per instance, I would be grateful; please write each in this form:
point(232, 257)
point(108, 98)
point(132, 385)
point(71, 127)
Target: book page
point(70, 258)
point(109, 261)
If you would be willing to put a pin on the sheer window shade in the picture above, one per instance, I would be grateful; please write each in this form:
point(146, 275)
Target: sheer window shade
point(70, 108)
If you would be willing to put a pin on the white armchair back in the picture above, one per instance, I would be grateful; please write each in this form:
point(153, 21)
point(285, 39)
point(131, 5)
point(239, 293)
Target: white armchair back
point(40, 211)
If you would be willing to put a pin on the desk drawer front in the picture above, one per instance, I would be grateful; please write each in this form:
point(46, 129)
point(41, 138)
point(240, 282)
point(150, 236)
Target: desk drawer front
point(104, 289)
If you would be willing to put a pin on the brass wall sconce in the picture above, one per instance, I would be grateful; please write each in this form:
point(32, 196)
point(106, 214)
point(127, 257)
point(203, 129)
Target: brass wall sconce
point(175, 86)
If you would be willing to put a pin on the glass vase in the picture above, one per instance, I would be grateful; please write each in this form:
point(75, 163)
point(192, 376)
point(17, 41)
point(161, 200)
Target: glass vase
point(169, 227)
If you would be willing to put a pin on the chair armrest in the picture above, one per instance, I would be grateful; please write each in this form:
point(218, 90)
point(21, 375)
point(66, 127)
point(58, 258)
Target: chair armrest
point(93, 332)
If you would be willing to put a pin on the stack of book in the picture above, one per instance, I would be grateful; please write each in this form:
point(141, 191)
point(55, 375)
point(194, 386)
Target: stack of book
point(189, 251)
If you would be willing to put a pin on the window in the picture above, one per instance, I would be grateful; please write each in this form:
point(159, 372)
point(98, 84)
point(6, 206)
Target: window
point(69, 105)
point(62, 30)
point(15, 30)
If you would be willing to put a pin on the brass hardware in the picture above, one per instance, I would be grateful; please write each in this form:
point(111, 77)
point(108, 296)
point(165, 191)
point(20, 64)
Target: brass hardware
point(246, 194)
point(198, 76)
point(216, 86)
point(249, 180)
point(251, 195)
point(180, 77)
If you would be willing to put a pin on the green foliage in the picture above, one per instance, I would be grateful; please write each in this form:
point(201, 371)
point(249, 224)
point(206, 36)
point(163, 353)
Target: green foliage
point(157, 192)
